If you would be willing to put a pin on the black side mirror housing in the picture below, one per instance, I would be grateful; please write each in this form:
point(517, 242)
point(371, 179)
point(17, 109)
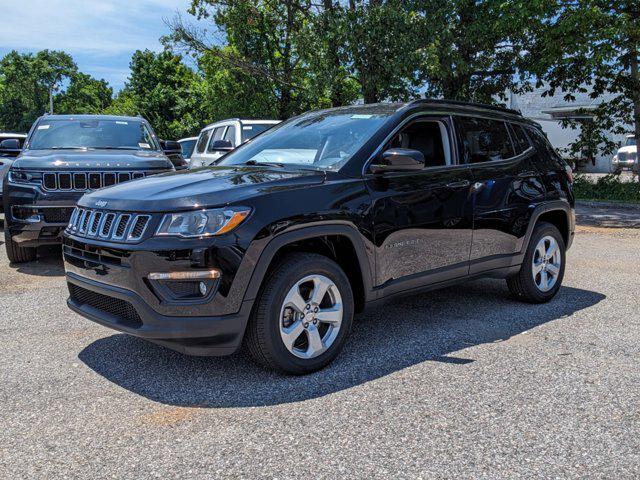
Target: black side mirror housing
point(221, 146)
point(10, 147)
point(170, 146)
point(399, 160)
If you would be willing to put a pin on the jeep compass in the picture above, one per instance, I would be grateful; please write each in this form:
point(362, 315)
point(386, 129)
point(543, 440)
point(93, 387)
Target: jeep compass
point(281, 243)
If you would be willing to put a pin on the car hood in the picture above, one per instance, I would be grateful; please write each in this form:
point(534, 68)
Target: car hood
point(628, 149)
point(91, 160)
point(204, 187)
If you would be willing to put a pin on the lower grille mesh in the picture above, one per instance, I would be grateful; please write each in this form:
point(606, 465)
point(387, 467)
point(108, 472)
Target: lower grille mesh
point(120, 309)
point(57, 215)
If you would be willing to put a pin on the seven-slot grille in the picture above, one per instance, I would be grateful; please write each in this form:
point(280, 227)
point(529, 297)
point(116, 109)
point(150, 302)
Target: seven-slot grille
point(81, 181)
point(105, 225)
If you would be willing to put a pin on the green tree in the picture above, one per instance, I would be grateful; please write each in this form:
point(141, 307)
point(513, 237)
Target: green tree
point(84, 94)
point(592, 46)
point(264, 38)
point(165, 91)
point(29, 85)
point(476, 50)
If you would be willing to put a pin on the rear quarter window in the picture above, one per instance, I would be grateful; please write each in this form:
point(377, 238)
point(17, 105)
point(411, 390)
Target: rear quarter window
point(484, 140)
point(521, 142)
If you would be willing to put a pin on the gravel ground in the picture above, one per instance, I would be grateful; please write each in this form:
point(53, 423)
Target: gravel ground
point(463, 382)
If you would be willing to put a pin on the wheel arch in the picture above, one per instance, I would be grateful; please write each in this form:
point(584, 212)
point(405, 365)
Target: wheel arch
point(340, 242)
point(558, 213)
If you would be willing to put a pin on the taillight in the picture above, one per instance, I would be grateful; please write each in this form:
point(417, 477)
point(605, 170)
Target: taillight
point(569, 172)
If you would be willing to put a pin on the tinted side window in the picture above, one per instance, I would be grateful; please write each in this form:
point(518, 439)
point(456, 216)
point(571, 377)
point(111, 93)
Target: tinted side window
point(230, 136)
point(217, 135)
point(202, 141)
point(520, 139)
point(545, 150)
point(484, 140)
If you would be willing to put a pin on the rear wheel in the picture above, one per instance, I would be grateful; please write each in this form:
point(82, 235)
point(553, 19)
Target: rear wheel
point(542, 270)
point(302, 316)
point(16, 253)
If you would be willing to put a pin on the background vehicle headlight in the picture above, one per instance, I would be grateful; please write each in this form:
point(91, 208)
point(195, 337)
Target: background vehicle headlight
point(201, 223)
point(18, 176)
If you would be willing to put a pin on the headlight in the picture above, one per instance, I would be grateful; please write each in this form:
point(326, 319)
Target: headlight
point(18, 176)
point(202, 223)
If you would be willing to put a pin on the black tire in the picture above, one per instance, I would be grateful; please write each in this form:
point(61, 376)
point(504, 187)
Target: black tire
point(16, 253)
point(522, 285)
point(262, 338)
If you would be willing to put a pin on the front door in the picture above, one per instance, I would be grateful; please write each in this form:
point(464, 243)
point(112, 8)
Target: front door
point(422, 220)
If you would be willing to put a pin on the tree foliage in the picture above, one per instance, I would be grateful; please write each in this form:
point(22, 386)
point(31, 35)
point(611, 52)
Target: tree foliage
point(592, 47)
point(26, 81)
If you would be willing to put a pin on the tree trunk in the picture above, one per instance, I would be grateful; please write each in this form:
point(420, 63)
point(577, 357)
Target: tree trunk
point(336, 95)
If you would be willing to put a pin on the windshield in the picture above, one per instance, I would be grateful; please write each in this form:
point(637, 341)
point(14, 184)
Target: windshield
point(323, 140)
point(187, 147)
point(53, 133)
point(250, 131)
point(631, 142)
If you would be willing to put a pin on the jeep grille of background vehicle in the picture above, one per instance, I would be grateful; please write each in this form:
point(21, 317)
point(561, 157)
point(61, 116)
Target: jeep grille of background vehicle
point(104, 225)
point(82, 181)
point(121, 309)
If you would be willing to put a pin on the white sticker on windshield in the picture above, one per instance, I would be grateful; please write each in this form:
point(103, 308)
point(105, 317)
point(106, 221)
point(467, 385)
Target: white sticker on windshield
point(361, 115)
point(43, 127)
point(247, 127)
point(122, 123)
point(144, 145)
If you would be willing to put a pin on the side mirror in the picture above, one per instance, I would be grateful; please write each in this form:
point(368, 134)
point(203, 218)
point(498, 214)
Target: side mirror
point(10, 146)
point(170, 146)
point(399, 160)
point(221, 146)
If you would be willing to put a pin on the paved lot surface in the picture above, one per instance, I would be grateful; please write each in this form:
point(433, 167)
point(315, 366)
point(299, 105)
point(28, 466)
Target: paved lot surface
point(462, 382)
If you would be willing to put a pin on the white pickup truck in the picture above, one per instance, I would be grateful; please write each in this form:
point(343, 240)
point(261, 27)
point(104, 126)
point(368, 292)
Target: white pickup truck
point(627, 155)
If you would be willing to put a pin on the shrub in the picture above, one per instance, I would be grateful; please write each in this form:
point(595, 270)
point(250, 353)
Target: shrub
point(609, 187)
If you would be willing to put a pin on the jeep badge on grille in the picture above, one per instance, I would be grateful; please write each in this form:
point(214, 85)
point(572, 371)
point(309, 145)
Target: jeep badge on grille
point(101, 203)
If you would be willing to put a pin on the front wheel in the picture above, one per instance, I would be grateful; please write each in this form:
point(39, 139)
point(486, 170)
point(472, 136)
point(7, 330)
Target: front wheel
point(542, 270)
point(16, 253)
point(302, 316)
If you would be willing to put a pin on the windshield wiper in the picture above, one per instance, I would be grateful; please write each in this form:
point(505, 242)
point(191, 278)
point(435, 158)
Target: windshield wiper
point(268, 164)
point(113, 148)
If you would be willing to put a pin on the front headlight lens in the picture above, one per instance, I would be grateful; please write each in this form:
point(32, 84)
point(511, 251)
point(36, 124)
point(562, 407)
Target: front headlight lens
point(20, 176)
point(202, 223)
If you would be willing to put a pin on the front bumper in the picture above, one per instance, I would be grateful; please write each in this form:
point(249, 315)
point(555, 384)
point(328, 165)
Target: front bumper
point(127, 312)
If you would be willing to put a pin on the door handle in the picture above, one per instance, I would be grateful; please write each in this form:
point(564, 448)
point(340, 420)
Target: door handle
point(460, 184)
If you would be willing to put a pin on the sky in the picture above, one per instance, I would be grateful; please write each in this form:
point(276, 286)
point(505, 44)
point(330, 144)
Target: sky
point(101, 35)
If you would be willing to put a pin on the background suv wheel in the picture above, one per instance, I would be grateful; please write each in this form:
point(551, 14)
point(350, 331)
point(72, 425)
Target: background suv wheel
point(542, 270)
point(16, 253)
point(302, 316)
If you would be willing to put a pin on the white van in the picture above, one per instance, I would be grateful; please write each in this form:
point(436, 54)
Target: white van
point(219, 138)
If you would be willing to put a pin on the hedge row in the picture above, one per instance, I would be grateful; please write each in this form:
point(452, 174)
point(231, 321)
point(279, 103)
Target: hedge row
point(607, 188)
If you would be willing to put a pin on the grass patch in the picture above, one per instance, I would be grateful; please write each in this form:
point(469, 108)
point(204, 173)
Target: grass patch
point(608, 188)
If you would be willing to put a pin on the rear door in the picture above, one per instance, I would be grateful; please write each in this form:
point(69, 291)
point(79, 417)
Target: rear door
point(506, 184)
point(422, 220)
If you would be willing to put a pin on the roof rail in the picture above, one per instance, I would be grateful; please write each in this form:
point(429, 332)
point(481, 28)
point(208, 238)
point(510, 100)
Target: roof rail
point(440, 101)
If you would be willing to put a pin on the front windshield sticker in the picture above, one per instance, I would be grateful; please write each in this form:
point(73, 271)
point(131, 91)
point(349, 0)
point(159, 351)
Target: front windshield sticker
point(248, 127)
point(122, 123)
point(144, 145)
point(360, 115)
point(43, 127)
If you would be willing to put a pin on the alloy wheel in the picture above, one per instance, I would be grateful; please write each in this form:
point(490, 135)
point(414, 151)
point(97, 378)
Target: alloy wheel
point(547, 260)
point(311, 316)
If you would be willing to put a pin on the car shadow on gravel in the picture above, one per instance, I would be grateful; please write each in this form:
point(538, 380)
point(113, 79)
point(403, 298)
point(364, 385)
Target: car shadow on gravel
point(429, 327)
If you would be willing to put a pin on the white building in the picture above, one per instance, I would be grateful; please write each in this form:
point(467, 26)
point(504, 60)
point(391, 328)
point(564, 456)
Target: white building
point(548, 112)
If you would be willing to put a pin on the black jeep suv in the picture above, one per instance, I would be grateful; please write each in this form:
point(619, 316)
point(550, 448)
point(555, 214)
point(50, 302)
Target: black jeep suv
point(65, 156)
point(323, 215)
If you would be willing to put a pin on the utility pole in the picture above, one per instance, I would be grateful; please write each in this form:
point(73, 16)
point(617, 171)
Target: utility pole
point(51, 100)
